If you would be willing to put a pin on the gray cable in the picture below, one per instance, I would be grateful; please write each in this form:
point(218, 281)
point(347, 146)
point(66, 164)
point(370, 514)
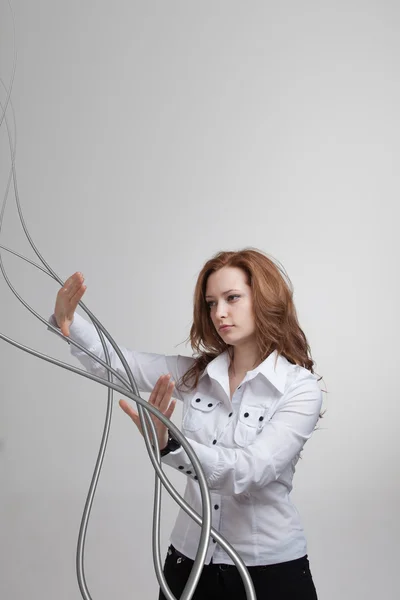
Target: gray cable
point(130, 390)
point(206, 506)
point(14, 67)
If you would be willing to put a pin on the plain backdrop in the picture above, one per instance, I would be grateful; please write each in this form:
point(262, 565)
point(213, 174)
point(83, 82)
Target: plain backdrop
point(152, 134)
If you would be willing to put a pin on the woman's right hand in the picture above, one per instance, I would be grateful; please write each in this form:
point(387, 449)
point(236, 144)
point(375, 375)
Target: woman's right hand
point(67, 300)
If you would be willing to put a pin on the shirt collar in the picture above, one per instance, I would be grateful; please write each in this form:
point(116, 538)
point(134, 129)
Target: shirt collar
point(274, 368)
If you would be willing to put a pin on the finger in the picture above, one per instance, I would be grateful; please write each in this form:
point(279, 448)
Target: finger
point(131, 412)
point(155, 394)
point(65, 329)
point(70, 280)
point(72, 284)
point(164, 393)
point(166, 399)
point(127, 408)
point(77, 296)
point(170, 409)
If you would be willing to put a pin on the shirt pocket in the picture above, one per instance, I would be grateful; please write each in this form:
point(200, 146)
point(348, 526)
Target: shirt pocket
point(250, 422)
point(200, 413)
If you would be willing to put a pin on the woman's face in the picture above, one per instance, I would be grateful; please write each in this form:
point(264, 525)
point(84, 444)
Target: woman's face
point(229, 298)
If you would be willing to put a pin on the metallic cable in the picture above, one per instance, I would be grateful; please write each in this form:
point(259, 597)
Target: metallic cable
point(130, 390)
point(14, 67)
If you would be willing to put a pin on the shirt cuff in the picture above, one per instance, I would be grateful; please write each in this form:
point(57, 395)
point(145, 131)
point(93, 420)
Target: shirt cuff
point(80, 331)
point(208, 458)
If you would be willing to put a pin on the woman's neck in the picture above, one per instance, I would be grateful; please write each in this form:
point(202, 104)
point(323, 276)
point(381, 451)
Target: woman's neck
point(245, 358)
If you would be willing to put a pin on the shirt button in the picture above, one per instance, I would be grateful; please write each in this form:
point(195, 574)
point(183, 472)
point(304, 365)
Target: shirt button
point(209, 405)
point(216, 507)
point(261, 419)
point(246, 415)
point(195, 477)
point(214, 442)
point(181, 468)
point(230, 414)
point(214, 541)
point(198, 399)
point(188, 472)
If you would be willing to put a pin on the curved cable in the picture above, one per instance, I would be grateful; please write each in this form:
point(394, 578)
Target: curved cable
point(14, 67)
point(130, 390)
point(206, 502)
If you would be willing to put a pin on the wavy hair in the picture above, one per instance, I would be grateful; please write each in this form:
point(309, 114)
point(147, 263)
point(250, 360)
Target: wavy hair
point(277, 326)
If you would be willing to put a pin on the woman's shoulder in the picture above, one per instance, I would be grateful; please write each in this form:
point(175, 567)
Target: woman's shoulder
point(298, 376)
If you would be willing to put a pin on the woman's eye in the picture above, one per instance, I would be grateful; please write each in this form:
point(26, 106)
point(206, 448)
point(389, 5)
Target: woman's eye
point(212, 303)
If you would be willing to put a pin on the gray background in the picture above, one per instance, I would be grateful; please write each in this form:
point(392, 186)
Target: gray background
point(151, 135)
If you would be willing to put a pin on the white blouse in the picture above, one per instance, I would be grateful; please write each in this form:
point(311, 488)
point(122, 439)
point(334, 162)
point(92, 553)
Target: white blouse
point(248, 447)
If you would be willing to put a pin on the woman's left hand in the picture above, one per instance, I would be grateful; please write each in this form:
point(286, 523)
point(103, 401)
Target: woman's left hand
point(160, 398)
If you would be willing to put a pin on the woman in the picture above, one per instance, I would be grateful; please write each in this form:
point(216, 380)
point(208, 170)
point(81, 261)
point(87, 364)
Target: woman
point(250, 402)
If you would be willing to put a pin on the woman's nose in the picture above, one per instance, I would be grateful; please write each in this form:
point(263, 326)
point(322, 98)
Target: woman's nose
point(221, 310)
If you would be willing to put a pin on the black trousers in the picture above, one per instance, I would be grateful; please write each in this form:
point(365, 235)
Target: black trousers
point(290, 580)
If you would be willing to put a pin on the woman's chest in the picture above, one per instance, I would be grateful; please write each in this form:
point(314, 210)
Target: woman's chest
point(211, 418)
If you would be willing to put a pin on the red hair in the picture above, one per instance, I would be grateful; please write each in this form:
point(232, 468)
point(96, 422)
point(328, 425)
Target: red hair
point(277, 326)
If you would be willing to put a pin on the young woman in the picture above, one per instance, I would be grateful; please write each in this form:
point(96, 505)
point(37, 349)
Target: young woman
point(250, 402)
